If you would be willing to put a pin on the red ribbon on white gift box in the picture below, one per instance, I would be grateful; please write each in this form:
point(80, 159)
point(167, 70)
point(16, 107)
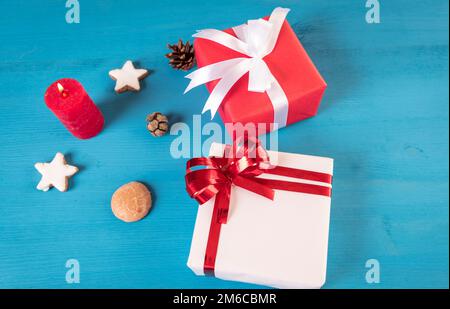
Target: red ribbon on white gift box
point(241, 165)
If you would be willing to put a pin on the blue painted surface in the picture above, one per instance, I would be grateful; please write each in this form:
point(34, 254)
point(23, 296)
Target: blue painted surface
point(384, 119)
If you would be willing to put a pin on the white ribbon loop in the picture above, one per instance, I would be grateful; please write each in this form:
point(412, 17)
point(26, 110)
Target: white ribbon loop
point(257, 35)
point(224, 39)
point(211, 72)
point(256, 39)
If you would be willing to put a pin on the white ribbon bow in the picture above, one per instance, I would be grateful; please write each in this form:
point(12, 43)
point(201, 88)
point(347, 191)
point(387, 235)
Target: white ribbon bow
point(256, 39)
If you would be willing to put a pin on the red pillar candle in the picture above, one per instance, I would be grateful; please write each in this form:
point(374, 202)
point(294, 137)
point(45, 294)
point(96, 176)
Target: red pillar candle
point(68, 100)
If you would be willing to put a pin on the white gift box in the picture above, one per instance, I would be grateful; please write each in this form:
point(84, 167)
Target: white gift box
point(281, 243)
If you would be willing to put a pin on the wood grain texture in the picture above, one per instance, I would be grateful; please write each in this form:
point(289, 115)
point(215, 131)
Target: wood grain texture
point(384, 119)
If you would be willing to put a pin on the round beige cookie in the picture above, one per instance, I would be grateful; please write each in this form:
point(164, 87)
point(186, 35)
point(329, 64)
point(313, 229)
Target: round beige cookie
point(131, 202)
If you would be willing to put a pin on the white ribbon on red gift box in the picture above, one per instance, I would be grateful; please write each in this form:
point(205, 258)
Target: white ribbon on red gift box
point(256, 39)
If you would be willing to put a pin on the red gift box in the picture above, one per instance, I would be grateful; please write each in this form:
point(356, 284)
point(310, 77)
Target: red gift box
point(289, 64)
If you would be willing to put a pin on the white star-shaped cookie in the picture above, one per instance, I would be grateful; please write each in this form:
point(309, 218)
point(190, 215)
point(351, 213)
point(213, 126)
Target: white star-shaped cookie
point(55, 174)
point(128, 77)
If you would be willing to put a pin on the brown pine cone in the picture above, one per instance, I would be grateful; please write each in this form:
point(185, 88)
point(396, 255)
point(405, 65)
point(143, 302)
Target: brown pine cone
point(182, 55)
point(157, 124)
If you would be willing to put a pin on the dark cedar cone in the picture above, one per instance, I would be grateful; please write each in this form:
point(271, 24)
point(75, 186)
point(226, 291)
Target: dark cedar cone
point(182, 55)
point(157, 124)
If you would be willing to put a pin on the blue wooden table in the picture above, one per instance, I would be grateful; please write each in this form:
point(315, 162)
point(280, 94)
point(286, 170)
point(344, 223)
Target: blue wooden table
point(384, 119)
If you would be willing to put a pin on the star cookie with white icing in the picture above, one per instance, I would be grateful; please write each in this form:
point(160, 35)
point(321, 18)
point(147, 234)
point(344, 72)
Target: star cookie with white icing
point(55, 174)
point(128, 77)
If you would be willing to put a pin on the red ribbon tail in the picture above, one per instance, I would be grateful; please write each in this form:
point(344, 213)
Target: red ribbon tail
point(219, 217)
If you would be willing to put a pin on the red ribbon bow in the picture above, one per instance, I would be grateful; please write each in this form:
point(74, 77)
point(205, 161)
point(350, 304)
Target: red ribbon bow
point(240, 166)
